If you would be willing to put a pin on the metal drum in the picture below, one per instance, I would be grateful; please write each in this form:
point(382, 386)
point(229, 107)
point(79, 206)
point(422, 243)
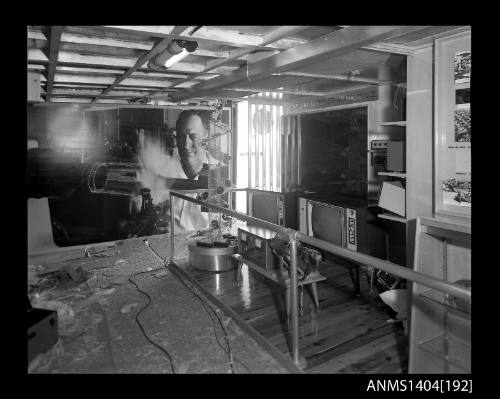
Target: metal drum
point(215, 259)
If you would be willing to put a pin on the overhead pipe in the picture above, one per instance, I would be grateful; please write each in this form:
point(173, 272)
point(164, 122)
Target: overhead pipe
point(349, 77)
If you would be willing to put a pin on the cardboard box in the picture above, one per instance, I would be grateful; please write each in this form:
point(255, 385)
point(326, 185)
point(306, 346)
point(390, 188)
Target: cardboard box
point(393, 197)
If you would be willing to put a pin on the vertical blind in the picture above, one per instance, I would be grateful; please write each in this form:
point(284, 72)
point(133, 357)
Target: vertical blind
point(264, 142)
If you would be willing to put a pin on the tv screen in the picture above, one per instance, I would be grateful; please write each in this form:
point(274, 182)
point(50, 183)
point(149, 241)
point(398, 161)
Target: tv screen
point(326, 222)
point(264, 206)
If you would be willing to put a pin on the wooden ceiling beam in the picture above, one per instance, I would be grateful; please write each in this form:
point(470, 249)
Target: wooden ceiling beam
point(55, 38)
point(104, 80)
point(157, 48)
point(94, 92)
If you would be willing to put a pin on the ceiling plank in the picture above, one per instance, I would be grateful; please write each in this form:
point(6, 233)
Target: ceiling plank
point(55, 38)
point(89, 65)
point(206, 34)
point(88, 49)
point(103, 41)
point(94, 92)
point(106, 80)
point(103, 61)
point(337, 43)
point(162, 45)
point(35, 34)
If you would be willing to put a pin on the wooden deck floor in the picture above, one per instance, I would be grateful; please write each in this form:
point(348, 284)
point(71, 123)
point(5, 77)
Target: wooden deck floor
point(348, 335)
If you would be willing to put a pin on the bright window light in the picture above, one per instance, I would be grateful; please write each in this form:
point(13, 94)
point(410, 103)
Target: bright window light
point(176, 58)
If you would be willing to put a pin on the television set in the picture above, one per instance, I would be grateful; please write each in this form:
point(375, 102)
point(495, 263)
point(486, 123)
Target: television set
point(273, 207)
point(347, 224)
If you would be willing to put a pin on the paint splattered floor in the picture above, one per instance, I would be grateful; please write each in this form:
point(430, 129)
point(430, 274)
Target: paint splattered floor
point(99, 333)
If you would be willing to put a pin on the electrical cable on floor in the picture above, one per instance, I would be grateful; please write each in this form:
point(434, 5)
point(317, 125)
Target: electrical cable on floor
point(139, 322)
point(228, 352)
point(204, 304)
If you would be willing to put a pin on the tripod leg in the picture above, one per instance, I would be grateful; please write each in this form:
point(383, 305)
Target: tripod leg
point(358, 287)
point(314, 290)
point(238, 273)
point(288, 301)
point(352, 276)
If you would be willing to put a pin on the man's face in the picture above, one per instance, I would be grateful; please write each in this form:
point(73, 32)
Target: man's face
point(189, 142)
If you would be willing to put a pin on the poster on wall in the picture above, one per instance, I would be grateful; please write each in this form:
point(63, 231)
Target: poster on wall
point(457, 189)
point(108, 173)
point(453, 112)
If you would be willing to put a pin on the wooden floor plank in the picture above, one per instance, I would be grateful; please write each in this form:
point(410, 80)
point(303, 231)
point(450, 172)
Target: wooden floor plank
point(349, 334)
point(361, 359)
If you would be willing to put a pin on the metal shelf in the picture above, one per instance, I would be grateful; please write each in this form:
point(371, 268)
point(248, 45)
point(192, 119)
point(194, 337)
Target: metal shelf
point(395, 123)
point(450, 349)
point(393, 174)
point(391, 216)
point(447, 300)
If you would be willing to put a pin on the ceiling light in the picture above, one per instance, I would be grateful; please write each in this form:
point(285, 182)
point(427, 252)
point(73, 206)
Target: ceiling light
point(176, 58)
point(175, 51)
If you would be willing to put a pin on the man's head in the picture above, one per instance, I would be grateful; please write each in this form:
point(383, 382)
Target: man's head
point(190, 135)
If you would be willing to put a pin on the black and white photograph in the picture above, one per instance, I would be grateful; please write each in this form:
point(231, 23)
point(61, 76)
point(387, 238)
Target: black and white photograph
point(462, 123)
point(457, 192)
point(218, 199)
point(462, 66)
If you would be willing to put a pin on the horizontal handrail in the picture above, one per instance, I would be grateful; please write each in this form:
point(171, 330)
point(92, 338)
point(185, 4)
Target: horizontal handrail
point(259, 222)
point(389, 267)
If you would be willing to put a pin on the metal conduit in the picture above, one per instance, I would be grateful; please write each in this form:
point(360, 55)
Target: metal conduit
point(295, 236)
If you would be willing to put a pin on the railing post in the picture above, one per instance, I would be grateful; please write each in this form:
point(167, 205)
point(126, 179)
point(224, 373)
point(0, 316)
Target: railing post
point(294, 308)
point(172, 223)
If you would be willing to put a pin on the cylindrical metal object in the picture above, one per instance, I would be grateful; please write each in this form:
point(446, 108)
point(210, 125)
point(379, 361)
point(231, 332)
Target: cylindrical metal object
point(214, 259)
point(294, 299)
point(114, 178)
point(121, 178)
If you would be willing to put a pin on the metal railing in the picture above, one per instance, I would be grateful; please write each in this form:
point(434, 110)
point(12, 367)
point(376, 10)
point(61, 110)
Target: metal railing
point(295, 236)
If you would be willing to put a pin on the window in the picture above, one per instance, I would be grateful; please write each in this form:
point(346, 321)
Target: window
point(259, 144)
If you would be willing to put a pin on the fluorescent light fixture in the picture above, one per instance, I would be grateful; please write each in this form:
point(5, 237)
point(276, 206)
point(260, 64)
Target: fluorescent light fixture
point(176, 58)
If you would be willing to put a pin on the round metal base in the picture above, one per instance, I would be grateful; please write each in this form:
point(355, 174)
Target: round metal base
point(211, 259)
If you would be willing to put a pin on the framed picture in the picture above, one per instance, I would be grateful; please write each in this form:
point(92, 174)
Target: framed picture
point(453, 125)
